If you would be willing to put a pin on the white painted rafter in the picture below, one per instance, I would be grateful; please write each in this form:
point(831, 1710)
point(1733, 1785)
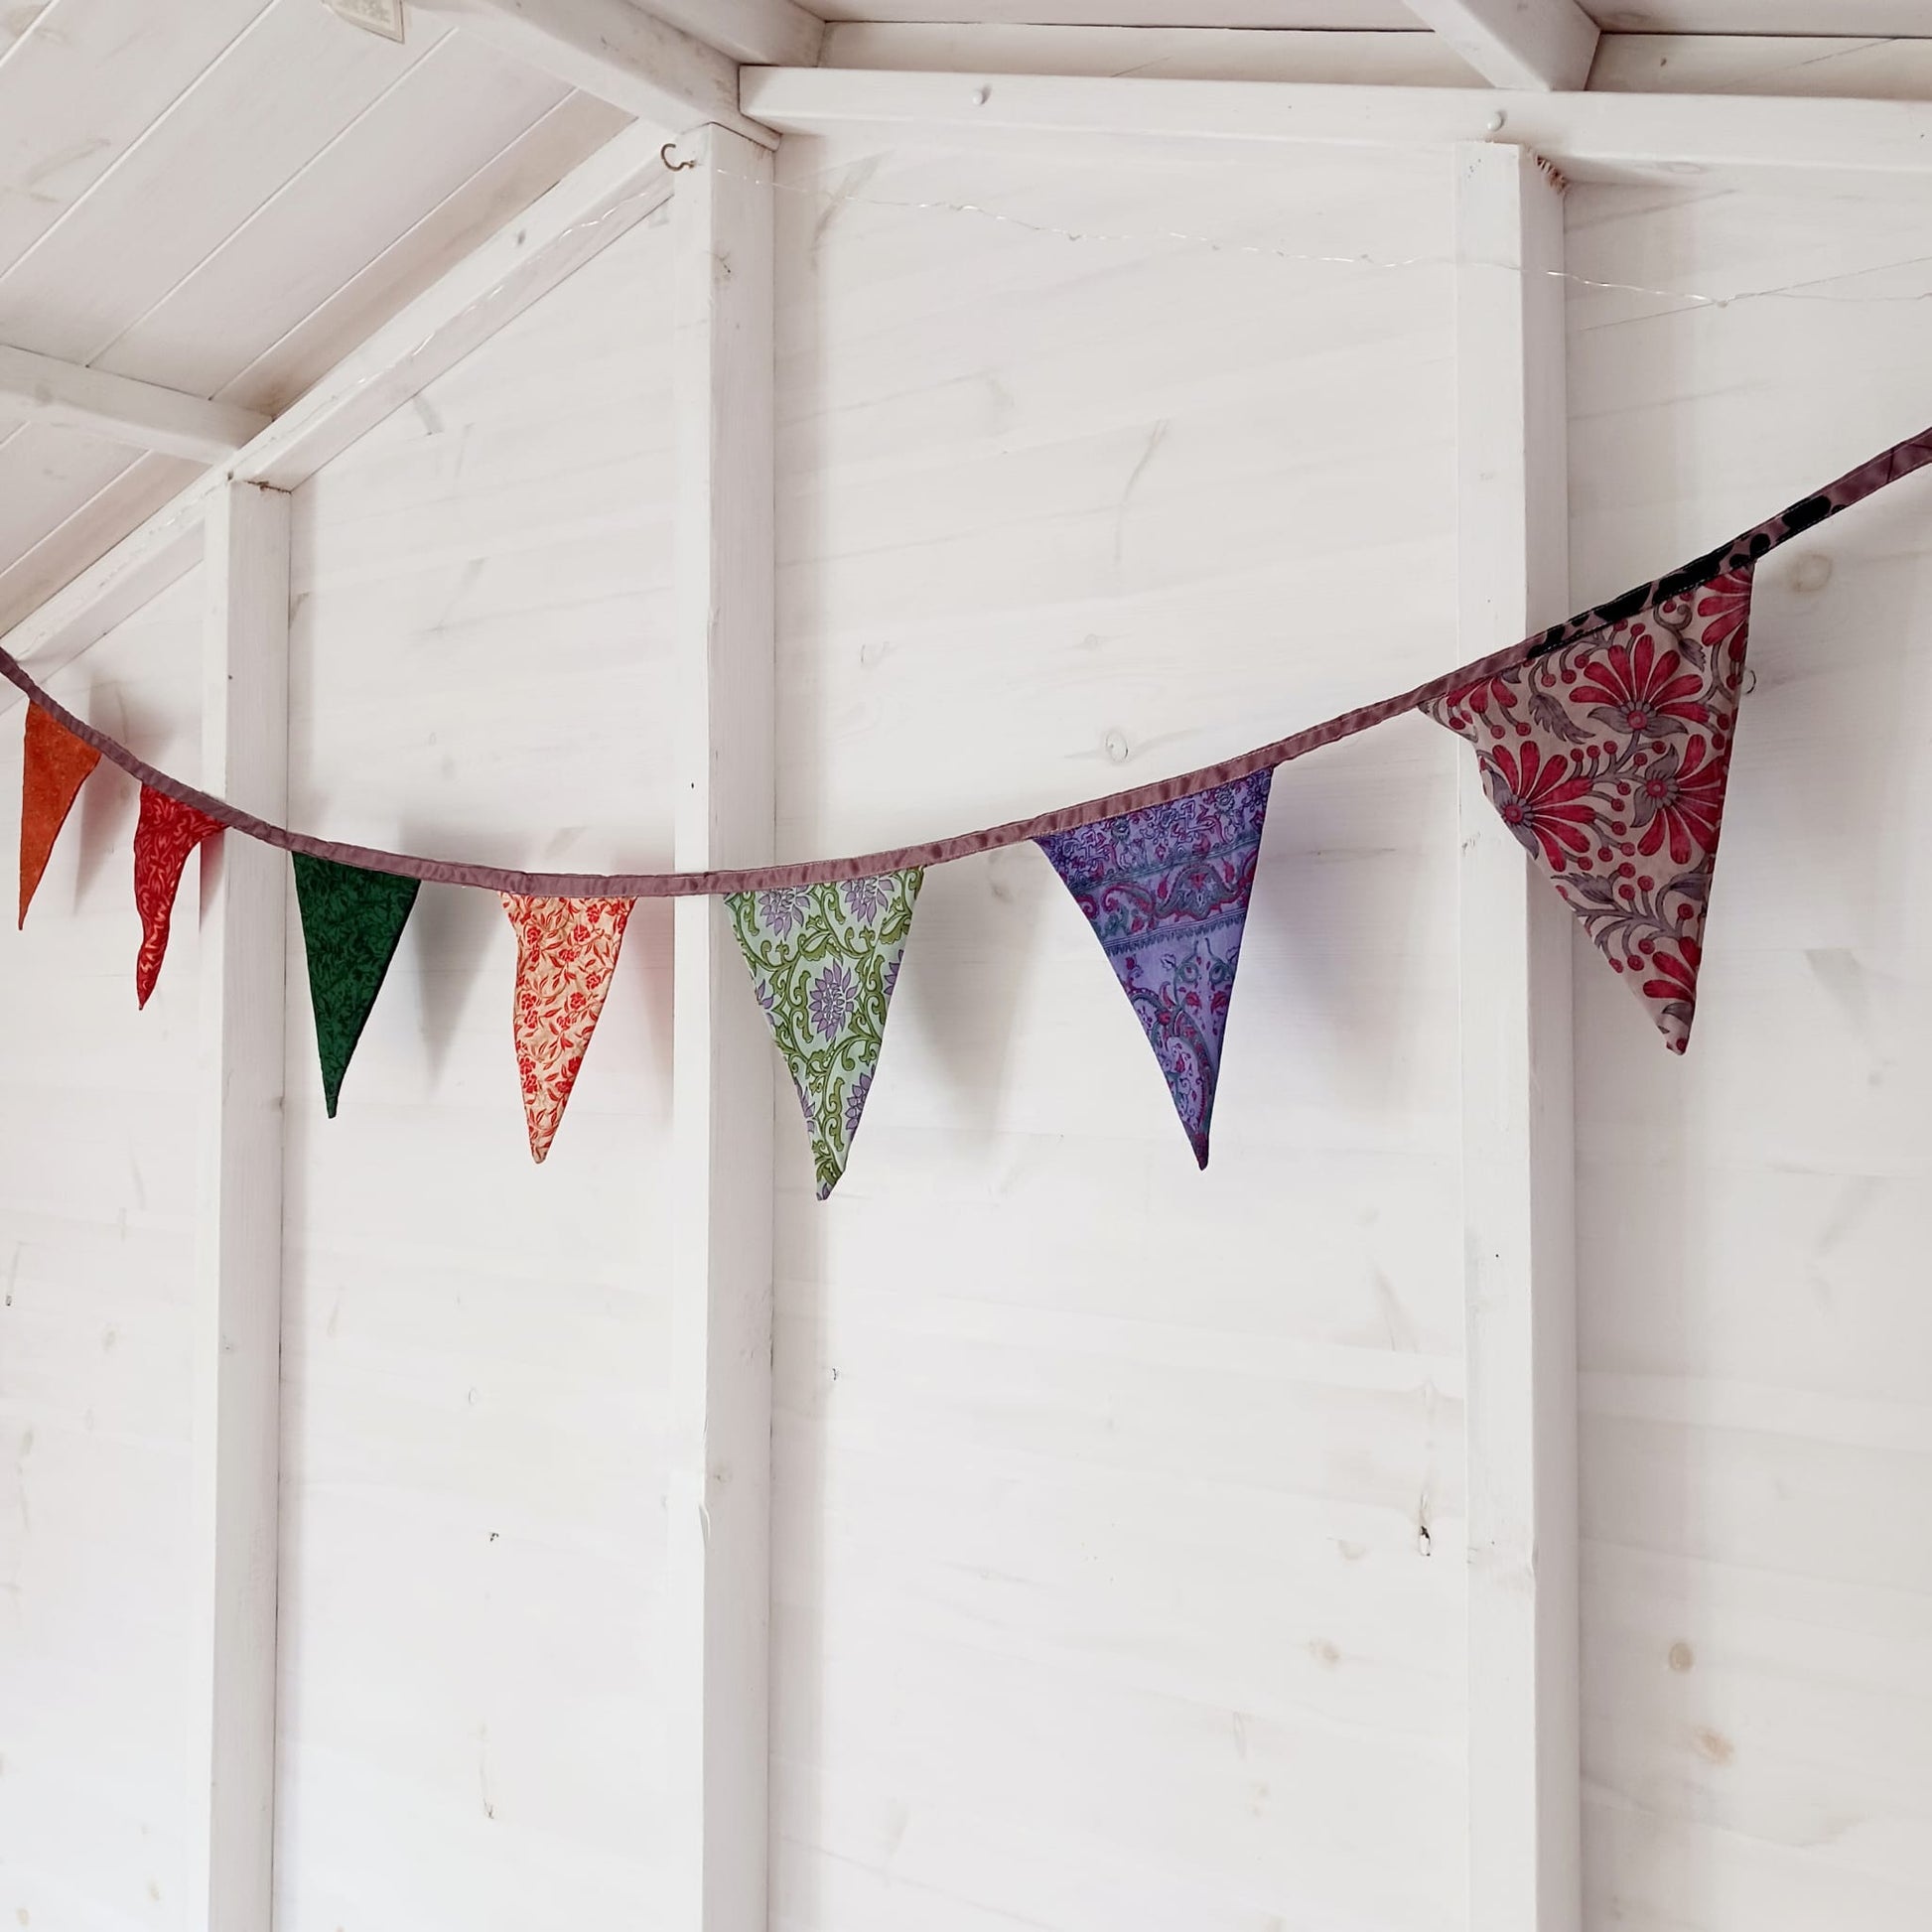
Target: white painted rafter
point(618, 53)
point(776, 33)
point(620, 185)
point(1528, 44)
point(118, 409)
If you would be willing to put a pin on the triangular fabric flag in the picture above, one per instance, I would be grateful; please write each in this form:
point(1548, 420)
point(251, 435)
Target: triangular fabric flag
point(565, 952)
point(824, 960)
point(352, 926)
point(164, 833)
point(1165, 890)
point(54, 766)
point(1607, 758)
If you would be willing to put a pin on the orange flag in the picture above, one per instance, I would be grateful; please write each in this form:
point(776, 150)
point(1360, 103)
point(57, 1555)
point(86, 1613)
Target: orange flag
point(566, 950)
point(166, 832)
point(54, 767)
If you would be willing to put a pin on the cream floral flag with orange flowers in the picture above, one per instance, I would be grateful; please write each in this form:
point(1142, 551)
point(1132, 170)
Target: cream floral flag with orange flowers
point(565, 952)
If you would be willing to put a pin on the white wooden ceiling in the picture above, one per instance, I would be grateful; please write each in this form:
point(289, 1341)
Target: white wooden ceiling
point(224, 197)
point(1821, 17)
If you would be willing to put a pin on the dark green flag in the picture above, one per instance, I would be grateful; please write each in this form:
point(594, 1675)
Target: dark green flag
point(352, 924)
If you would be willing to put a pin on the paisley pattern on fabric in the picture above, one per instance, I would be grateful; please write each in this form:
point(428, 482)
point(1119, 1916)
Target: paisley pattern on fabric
point(1608, 757)
point(824, 960)
point(565, 952)
point(1165, 890)
point(352, 926)
point(54, 766)
point(164, 833)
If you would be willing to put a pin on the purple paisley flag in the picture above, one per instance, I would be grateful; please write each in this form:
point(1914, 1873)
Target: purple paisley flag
point(1165, 890)
point(1607, 758)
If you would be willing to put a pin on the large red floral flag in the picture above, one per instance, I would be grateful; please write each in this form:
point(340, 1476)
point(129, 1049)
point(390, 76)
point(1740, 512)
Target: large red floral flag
point(566, 951)
point(1608, 757)
point(54, 764)
point(164, 833)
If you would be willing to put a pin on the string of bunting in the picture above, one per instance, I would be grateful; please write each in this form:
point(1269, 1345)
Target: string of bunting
point(1604, 743)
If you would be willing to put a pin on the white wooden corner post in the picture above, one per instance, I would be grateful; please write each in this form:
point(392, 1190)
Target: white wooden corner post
point(1525, 1817)
point(720, 1494)
point(237, 1306)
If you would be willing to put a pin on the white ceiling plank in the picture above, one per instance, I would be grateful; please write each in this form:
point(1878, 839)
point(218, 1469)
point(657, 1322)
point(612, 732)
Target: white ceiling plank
point(259, 114)
point(505, 185)
point(419, 141)
point(1417, 59)
point(82, 85)
point(118, 409)
point(773, 33)
point(1715, 139)
point(609, 48)
point(1517, 43)
point(619, 186)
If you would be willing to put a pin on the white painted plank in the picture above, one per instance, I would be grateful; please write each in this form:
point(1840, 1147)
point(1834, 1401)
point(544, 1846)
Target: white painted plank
point(616, 51)
point(1721, 140)
point(1547, 43)
point(237, 1332)
point(777, 33)
point(616, 189)
point(722, 1258)
point(1525, 1807)
point(141, 415)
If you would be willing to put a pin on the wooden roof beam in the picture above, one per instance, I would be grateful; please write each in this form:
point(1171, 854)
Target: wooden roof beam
point(1541, 45)
point(771, 33)
point(618, 53)
point(118, 409)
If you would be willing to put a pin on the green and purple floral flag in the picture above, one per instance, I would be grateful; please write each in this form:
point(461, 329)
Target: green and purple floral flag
point(352, 926)
point(824, 960)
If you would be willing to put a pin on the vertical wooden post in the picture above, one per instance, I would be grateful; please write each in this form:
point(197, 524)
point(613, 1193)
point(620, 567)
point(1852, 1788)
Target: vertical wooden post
point(720, 1495)
point(237, 1311)
point(1525, 1805)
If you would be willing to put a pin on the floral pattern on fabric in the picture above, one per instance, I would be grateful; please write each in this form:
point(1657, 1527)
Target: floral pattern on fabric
point(824, 960)
point(54, 766)
point(164, 833)
point(565, 952)
point(1607, 758)
point(1167, 890)
point(352, 926)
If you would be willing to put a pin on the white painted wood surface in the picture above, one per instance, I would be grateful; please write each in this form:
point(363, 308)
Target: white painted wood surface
point(720, 1499)
point(1516, 42)
point(98, 1218)
point(1816, 144)
point(236, 1336)
point(1757, 1610)
point(1520, 1334)
point(476, 1656)
point(118, 409)
point(616, 51)
point(1099, 1593)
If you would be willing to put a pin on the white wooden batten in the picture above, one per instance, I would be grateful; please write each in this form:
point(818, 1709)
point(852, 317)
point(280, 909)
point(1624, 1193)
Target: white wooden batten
point(118, 409)
point(1516, 42)
point(1519, 1242)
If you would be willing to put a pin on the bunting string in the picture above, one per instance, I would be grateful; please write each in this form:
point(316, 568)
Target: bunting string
point(1741, 553)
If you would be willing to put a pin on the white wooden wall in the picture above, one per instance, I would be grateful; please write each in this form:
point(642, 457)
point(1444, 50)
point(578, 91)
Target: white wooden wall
point(1101, 1596)
point(473, 1675)
point(1752, 1222)
point(97, 1186)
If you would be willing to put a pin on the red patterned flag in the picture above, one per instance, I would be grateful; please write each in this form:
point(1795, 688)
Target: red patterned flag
point(1607, 758)
point(166, 832)
point(54, 764)
point(566, 951)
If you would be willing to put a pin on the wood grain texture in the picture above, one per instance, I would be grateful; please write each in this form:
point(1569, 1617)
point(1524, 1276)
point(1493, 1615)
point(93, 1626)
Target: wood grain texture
point(1755, 1430)
point(475, 1635)
point(1098, 1482)
point(97, 1212)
